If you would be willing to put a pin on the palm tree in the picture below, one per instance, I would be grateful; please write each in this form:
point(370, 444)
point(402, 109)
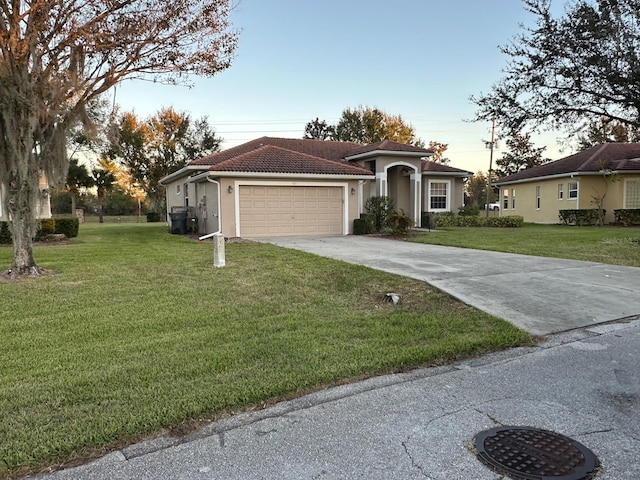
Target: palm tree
point(77, 178)
point(104, 181)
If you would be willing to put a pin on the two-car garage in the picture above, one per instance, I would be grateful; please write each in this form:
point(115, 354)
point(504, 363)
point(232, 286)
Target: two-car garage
point(288, 210)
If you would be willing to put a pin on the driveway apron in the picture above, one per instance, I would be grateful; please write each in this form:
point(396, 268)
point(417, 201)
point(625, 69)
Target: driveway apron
point(540, 295)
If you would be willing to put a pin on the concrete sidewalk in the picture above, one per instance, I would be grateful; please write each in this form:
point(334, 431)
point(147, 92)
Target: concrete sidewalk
point(539, 295)
point(583, 384)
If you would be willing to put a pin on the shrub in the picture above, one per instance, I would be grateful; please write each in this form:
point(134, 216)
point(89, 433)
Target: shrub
point(510, 221)
point(46, 226)
point(360, 226)
point(378, 210)
point(627, 216)
point(469, 211)
point(428, 220)
point(68, 226)
point(586, 216)
point(400, 222)
point(451, 220)
point(5, 233)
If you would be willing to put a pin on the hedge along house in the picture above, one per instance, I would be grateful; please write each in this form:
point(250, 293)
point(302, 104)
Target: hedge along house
point(290, 187)
point(43, 204)
point(574, 182)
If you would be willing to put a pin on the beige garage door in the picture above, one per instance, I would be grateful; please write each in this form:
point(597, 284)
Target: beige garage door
point(267, 211)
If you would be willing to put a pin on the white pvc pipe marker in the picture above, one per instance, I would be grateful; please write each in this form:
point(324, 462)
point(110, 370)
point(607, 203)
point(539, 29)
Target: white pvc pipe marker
point(218, 250)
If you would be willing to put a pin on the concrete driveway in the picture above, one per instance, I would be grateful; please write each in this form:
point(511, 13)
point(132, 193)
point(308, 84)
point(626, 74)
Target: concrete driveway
point(539, 295)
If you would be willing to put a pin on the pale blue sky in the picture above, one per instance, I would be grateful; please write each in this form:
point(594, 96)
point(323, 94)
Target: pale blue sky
point(301, 59)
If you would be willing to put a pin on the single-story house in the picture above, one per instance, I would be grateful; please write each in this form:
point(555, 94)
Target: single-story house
point(574, 182)
point(284, 186)
point(43, 205)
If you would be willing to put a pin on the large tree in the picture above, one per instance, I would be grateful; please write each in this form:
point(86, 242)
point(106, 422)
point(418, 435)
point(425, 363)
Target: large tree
point(57, 56)
point(608, 131)
point(568, 71)
point(364, 125)
point(153, 148)
point(521, 154)
point(370, 125)
point(319, 130)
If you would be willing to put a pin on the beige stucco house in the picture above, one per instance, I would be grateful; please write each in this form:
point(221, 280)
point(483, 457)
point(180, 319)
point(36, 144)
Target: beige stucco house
point(539, 193)
point(284, 186)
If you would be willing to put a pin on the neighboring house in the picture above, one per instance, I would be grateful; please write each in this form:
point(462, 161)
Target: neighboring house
point(43, 207)
point(284, 186)
point(539, 193)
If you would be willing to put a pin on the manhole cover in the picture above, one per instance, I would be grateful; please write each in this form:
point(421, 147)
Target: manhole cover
point(525, 453)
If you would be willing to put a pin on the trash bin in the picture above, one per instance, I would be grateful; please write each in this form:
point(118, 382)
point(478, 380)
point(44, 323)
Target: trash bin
point(178, 223)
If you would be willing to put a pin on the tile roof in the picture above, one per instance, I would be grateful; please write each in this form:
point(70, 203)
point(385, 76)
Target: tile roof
point(328, 150)
point(429, 166)
point(388, 146)
point(618, 157)
point(272, 159)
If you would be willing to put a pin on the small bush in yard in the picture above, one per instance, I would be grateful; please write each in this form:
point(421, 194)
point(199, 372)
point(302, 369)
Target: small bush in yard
point(360, 226)
point(5, 234)
point(400, 223)
point(46, 226)
point(68, 226)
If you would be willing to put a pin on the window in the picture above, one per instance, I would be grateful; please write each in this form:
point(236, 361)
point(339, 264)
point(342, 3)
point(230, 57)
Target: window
point(438, 196)
point(186, 194)
point(560, 191)
point(505, 199)
point(538, 198)
point(632, 194)
point(513, 198)
point(573, 190)
point(177, 189)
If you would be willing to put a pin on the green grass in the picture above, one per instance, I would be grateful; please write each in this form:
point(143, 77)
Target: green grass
point(613, 245)
point(138, 334)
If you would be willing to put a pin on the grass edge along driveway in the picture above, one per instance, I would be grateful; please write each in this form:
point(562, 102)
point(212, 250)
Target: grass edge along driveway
point(139, 335)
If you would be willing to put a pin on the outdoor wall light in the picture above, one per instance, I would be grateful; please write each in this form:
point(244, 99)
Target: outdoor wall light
point(353, 191)
point(230, 189)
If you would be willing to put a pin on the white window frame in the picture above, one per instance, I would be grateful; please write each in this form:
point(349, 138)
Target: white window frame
point(538, 197)
point(447, 197)
point(178, 192)
point(570, 190)
point(561, 191)
point(513, 199)
point(627, 187)
point(505, 199)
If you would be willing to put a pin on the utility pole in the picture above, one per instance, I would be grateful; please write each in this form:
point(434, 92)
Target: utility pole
point(490, 145)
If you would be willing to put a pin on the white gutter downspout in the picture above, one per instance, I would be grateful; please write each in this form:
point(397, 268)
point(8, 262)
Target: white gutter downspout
point(209, 235)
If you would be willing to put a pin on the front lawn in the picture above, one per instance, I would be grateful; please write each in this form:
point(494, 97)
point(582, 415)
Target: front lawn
point(613, 245)
point(138, 334)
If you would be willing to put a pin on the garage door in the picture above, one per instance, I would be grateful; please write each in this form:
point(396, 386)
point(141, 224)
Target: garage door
point(268, 211)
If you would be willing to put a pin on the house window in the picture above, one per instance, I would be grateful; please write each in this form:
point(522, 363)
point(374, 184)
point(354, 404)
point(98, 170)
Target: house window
point(573, 190)
point(186, 194)
point(560, 191)
point(632, 194)
point(505, 199)
point(513, 198)
point(438, 196)
point(538, 198)
point(177, 189)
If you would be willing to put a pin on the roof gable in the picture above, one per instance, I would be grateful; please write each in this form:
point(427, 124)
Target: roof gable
point(272, 159)
point(610, 156)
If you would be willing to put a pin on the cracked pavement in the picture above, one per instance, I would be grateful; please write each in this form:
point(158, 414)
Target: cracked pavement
point(584, 384)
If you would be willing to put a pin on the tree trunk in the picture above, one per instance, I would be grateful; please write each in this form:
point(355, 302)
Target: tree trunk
point(22, 199)
point(20, 175)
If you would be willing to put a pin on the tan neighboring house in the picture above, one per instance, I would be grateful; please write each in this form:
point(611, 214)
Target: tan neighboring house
point(539, 193)
point(291, 187)
point(43, 207)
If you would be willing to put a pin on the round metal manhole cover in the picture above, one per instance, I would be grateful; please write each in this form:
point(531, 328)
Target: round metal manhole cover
point(525, 453)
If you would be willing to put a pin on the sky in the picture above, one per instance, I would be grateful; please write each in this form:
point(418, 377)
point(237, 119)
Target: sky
point(301, 59)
